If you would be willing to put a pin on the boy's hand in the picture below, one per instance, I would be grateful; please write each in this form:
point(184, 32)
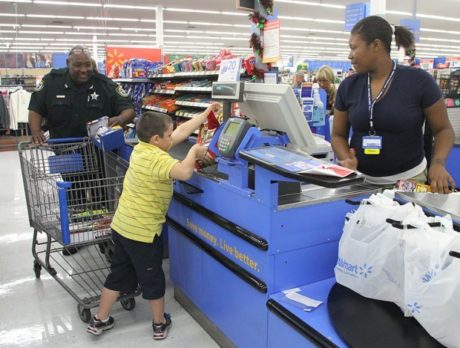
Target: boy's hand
point(200, 151)
point(214, 107)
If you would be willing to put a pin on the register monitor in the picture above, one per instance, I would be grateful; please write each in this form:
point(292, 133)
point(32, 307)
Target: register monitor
point(275, 107)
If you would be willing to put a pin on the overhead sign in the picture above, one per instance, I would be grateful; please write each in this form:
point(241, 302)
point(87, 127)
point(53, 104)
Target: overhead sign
point(230, 70)
point(271, 42)
point(354, 13)
point(413, 25)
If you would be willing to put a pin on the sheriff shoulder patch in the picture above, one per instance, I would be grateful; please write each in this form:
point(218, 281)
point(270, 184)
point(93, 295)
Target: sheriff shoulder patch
point(40, 86)
point(121, 92)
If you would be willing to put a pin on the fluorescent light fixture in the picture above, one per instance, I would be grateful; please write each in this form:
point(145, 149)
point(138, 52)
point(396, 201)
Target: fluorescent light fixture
point(45, 26)
point(40, 32)
point(19, 1)
point(126, 34)
point(442, 18)
point(234, 13)
point(189, 10)
point(11, 15)
point(148, 20)
point(399, 13)
point(54, 16)
point(9, 25)
point(79, 27)
point(113, 19)
point(66, 3)
point(308, 3)
point(139, 29)
point(307, 19)
point(452, 32)
point(314, 30)
point(8, 31)
point(175, 22)
point(130, 7)
point(80, 40)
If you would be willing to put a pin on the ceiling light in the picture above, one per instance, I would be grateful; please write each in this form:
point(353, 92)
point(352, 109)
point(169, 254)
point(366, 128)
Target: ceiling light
point(126, 34)
point(45, 26)
point(453, 32)
point(149, 20)
point(54, 16)
point(130, 7)
point(308, 3)
point(40, 32)
point(113, 19)
point(188, 10)
point(11, 15)
point(66, 3)
point(307, 19)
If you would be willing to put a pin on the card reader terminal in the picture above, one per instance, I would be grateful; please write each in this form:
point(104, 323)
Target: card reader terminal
point(233, 133)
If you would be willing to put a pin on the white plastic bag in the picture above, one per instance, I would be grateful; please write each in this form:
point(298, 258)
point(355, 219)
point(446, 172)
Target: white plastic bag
point(432, 282)
point(371, 251)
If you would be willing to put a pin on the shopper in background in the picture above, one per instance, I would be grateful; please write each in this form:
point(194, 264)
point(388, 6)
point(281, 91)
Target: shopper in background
point(325, 77)
point(387, 105)
point(138, 221)
point(69, 98)
point(299, 78)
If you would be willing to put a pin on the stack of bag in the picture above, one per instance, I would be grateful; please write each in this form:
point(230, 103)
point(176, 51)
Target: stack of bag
point(395, 253)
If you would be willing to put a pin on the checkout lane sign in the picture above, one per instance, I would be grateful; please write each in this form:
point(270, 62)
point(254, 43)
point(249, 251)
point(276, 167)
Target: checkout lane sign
point(230, 70)
point(354, 13)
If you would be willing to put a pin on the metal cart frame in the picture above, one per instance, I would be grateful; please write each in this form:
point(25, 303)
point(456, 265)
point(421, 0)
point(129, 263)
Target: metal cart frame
point(72, 190)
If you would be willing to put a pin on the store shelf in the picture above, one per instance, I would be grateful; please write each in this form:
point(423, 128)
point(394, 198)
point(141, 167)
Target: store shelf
point(194, 89)
point(160, 76)
point(192, 104)
point(154, 108)
point(185, 114)
point(196, 73)
point(135, 80)
point(164, 91)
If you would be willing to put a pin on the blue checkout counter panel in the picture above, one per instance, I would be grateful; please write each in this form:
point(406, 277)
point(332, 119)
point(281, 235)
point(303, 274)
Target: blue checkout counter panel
point(289, 325)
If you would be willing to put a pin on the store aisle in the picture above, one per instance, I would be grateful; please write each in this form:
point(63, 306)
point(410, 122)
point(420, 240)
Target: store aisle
point(40, 313)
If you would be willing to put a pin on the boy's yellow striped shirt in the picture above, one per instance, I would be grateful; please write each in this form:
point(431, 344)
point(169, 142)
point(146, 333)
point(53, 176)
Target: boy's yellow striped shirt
point(147, 192)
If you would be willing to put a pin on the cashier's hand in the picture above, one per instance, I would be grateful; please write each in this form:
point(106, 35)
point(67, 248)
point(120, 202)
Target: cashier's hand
point(439, 178)
point(351, 162)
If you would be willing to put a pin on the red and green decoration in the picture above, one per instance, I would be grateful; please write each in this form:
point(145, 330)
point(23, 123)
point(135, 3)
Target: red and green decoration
point(267, 5)
point(256, 44)
point(257, 19)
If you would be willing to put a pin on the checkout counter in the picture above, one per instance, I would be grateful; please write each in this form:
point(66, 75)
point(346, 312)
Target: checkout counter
point(243, 231)
point(253, 226)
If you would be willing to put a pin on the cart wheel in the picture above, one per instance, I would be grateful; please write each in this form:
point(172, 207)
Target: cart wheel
point(37, 269)
point(128, 304)
point(84, 313)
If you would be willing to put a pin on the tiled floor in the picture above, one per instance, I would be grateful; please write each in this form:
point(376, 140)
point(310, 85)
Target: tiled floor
point(40, 313)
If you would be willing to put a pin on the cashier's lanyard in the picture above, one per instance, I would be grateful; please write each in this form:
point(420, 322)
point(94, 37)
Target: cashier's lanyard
point(372, 144)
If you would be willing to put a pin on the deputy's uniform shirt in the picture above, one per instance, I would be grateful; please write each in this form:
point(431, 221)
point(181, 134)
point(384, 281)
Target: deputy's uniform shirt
point(67, 107)
point(147, 193)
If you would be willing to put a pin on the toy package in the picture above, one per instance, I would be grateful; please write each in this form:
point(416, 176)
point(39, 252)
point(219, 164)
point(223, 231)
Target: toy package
point(412, 186)
point(207, 131)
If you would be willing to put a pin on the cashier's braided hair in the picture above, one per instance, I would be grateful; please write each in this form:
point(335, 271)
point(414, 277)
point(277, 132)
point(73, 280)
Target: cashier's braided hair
point(377, 28)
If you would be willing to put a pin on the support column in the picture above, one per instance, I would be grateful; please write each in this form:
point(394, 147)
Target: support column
point(378, 8)
point(159, 26)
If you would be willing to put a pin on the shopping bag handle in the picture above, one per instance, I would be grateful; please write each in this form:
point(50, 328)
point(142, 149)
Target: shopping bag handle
point(454, 254)
point(351, 202)
point(399, 224)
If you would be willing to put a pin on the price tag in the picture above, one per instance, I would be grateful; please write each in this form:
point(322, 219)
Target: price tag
point(230, 70)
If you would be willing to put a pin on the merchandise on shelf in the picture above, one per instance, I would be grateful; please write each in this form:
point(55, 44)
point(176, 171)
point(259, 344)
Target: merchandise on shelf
point(137, 92)
point(166, 103)
point(136, 68)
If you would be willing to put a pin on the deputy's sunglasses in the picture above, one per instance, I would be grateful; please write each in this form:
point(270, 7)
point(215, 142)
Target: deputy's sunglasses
point(79, 50)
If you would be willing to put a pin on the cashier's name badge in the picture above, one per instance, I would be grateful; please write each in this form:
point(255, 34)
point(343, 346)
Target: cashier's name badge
point(372, 145)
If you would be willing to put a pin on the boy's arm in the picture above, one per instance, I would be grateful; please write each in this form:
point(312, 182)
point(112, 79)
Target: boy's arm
point(184, 170)
point(185, 129)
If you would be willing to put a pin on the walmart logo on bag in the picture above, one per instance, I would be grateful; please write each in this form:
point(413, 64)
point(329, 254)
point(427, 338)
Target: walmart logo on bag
point(415, 307)
point(428, 276)
point(365, 270)
point(354, 269)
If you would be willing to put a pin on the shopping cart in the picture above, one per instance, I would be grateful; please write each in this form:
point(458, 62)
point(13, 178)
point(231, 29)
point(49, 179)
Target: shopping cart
point(72, 191)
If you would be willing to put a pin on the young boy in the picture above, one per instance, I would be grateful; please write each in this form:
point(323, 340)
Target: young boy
point(139, 218)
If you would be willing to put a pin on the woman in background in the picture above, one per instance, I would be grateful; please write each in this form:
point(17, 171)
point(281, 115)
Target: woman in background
point(326, 80)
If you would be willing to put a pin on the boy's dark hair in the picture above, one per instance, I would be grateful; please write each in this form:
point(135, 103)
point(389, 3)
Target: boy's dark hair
point(374, 27)
point(152, 123)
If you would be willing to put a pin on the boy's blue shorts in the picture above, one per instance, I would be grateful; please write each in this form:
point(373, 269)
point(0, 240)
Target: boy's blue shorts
point(136, 263)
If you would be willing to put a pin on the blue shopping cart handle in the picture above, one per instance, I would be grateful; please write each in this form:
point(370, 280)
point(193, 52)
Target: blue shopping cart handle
point(65, 140)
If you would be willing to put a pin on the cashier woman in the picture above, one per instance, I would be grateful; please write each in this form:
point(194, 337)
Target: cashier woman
point(386, 105)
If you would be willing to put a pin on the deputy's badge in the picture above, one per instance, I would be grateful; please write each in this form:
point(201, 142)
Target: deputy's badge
point(121, 92)
point(40, 86)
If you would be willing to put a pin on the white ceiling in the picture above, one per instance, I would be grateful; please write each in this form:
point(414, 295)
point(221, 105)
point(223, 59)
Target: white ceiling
point(309, 29)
